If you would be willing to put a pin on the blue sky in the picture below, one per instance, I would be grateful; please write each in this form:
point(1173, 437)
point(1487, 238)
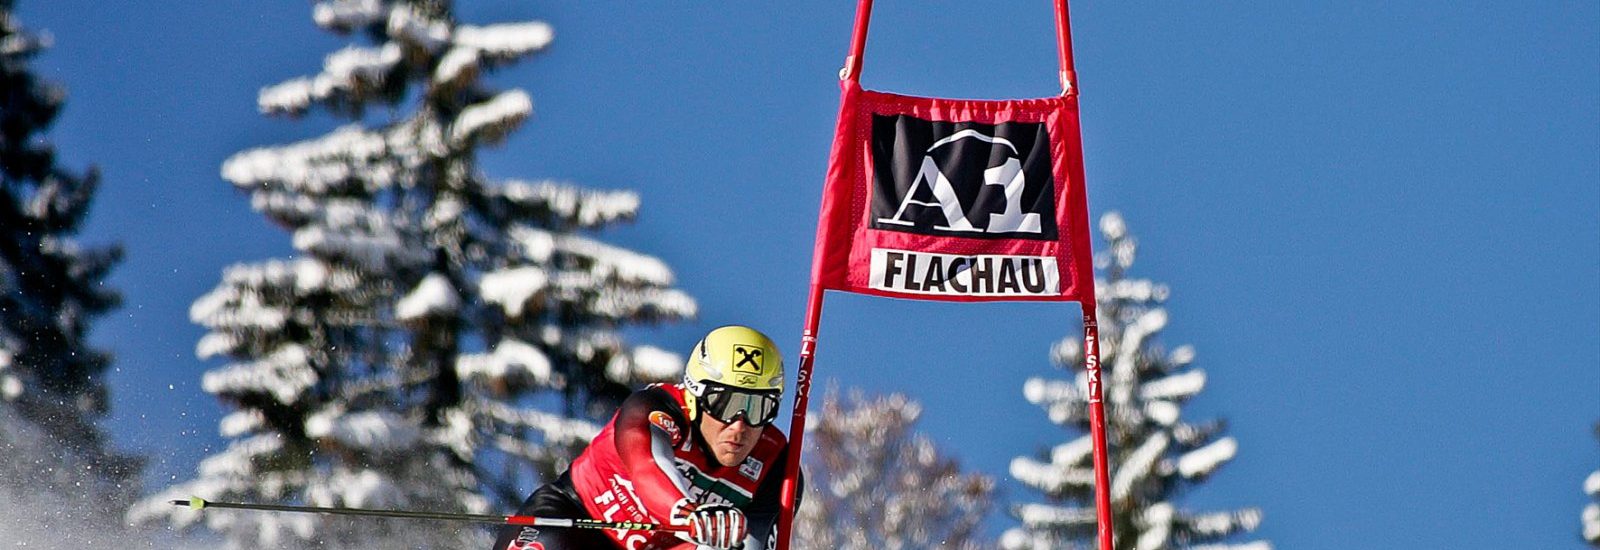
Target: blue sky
point(1380, 220)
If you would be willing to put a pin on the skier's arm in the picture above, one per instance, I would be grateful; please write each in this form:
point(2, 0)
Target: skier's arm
point(648, 427)
point(764, 509)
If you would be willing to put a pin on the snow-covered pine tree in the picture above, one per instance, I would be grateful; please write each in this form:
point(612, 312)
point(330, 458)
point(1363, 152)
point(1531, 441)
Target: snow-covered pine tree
point(442, 340)
point(1591, 513)
point(1156, 455)
point(52, 382)
point(873, 483)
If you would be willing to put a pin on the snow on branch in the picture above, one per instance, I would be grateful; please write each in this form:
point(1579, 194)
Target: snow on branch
point(240, 422)
point(1201, 462)
point(505, 41)
point(228, 307)
point(434, 296)
point(1221, 524)
point(457, 66)
point(286, 374)
point(360, 489)
point(1157, 522)
point(583, 208)
point(558, 430)
point(1255, 545)
point(492, 120)
point(316, 166)
point(347, 15)
point(1175, 387)
point(512, 288)
point(382, 431)
point(1051, 478)
point(347, 76)
point(1591, 523)
point(644, 364)
point(644, 304)
point(610, 262)
point(512, 360)
point(1138, 465)
point(241, 457)
point(1046, 516)
point(418, 29)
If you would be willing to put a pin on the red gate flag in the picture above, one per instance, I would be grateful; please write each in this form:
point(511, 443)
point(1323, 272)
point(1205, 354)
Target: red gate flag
point(948, 199)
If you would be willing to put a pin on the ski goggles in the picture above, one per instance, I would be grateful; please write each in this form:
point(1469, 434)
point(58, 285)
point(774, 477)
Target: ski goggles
point(758, 408)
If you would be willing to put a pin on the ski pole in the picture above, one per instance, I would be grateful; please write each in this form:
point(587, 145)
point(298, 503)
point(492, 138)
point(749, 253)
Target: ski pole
point(197, 503)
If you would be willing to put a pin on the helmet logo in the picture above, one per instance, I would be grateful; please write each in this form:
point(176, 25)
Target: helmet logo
point(750, 360)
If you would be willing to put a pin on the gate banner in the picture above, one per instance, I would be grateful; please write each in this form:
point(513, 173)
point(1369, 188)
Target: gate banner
point(957, 200)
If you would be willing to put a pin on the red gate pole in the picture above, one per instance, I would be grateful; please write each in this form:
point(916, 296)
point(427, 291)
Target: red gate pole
point(1069, 76)
point(797, 425)
point(1091, 328)
point(1097, 425)
point(808, 340)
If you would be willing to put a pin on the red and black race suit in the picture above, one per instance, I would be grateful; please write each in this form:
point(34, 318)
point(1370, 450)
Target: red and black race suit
point(648, 458)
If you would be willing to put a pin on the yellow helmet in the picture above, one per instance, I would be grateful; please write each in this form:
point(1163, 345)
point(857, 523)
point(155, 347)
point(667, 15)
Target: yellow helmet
point(736, 358)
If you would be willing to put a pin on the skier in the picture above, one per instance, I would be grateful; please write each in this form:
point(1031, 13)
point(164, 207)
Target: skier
point(701, 454)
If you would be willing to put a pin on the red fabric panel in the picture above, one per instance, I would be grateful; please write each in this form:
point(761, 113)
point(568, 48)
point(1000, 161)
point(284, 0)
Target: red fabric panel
point(963, 257)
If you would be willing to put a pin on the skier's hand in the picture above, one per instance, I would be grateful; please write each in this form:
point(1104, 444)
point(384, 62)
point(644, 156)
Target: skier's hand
point(714, 525)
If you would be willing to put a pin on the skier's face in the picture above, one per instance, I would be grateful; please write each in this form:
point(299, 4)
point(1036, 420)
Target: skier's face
point(730, 442)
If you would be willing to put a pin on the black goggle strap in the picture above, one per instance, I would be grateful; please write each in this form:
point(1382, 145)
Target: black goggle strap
point(727, 405)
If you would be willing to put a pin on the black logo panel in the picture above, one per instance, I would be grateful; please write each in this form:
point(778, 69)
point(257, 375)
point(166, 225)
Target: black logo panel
point(962, 179)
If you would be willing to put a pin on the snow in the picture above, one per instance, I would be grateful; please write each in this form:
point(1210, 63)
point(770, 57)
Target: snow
point(583, 207)
point(1044, 515)
point(1203, 461)
point(512, 288)
point(491, 120)
point(434, 296)
point(285, 374)
point(409, 25)
point(1050, 477)
point(612, 262)
point(1138, 465)
point(240, 457)
point(511, 359)
point(10, 383)
point(1112, 226)
point(1073, 452)
point(1042, 391)
point(348, 71)
point(558, 430)
point(374, 250)
point(227, 307)
point(1177, 386)
point(1223, 523)
point(369, 430)
point(458, 64)
point(628, 304)
point(362, 489)
point(347, 14)
point(1157, 520)
point(536, 245)
point(240, 422)
point(313, 167)
point(1165, 413)
point(505, 40)
point(1591, 523)
point(643, 364)
point(1255, 545)
point(214, 344)
point(1182, 356)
